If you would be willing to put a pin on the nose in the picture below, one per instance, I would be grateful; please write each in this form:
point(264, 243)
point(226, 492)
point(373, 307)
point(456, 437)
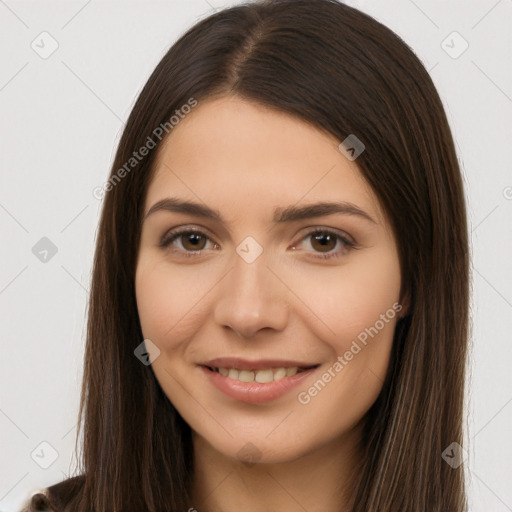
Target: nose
point(251, 298)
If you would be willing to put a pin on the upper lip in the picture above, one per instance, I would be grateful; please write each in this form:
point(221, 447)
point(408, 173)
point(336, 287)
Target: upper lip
point(244, 364)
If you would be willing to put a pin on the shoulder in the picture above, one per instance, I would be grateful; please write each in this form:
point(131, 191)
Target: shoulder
point(55, 497)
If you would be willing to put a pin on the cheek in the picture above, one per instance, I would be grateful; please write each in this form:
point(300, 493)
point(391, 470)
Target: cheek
point(355, 316)
point(168, 301)
point(356, 308)
point(348, 300)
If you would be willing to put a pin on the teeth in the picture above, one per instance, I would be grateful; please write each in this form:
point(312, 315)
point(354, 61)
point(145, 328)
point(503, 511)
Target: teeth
point(246, 376)
point(261, 376)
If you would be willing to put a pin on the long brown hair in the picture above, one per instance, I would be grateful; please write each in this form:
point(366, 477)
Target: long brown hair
point(342, 71)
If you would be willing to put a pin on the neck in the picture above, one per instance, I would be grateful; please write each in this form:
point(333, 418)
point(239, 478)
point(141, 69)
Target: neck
point(321, 480)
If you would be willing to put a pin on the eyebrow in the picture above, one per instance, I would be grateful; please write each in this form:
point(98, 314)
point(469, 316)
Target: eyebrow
point(281, 215)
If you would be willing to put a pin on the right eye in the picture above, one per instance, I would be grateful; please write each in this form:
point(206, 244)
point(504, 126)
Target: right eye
point(190, 242)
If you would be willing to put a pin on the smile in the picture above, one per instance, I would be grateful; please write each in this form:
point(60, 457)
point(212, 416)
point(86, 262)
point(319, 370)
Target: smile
point(258, 385)
point(262, 376)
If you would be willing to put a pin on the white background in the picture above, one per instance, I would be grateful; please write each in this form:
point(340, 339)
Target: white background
point(61, 119)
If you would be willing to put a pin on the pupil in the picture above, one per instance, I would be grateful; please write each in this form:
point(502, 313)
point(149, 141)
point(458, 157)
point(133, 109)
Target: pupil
point(326, 239)
point(193, 239)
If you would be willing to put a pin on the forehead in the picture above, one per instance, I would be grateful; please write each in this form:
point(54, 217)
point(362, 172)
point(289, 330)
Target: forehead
point(233, 153)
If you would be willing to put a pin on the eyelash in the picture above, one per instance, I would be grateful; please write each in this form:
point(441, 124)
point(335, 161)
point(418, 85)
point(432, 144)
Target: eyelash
point(173, 235)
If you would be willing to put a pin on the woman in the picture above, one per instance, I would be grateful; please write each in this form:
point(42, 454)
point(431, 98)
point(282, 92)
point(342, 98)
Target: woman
point(284, 226)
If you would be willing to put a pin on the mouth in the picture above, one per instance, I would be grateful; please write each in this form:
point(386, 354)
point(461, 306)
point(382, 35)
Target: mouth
point(256, 382)
point(259, 375)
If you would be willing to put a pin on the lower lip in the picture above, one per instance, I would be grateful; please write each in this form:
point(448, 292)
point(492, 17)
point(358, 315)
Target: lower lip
point(255, 392)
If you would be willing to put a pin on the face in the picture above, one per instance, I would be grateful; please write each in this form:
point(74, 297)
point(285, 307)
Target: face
point(292, 305)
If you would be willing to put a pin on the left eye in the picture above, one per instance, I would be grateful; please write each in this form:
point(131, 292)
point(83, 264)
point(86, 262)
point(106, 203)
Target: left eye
point(323, 242)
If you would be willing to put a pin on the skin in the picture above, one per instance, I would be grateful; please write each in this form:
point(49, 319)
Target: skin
point(244, 160)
